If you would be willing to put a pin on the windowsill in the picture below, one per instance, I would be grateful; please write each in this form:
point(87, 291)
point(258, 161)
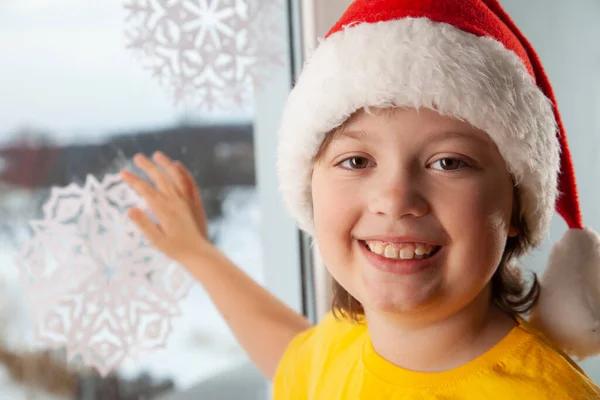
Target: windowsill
point(242, 382)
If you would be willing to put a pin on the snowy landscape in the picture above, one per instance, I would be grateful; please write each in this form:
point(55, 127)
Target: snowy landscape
point(73, 76)
point(200, 345)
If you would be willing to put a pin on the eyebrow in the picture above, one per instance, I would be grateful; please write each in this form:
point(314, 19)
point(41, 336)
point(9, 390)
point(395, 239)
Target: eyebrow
point(361, 135)
point(446, 135)
point(350, 134)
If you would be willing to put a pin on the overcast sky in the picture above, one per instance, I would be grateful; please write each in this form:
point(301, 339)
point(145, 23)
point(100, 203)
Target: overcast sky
point(65, 69)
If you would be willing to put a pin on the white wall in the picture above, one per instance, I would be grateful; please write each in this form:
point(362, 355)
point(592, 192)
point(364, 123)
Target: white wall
point(565, 35)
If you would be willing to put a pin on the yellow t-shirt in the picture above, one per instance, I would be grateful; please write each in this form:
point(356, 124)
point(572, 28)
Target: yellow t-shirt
point(336, 360)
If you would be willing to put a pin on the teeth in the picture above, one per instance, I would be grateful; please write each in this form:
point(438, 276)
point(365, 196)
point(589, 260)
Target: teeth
point(402, 251)
point(377, 247)
point(391, 252)
point(407, 253)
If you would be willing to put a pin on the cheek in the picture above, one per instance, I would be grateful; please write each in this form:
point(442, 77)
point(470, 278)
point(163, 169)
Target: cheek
point(335, 205)
point(479, 225)
point(485, 204)
point(335, 213)
point(325, 212)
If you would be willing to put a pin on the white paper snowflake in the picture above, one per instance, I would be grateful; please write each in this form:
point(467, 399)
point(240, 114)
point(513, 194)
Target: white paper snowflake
point(93, 284)
point(211, 54)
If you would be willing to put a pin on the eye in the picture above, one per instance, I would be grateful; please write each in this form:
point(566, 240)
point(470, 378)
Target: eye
point(355, 163)
point(448, 164)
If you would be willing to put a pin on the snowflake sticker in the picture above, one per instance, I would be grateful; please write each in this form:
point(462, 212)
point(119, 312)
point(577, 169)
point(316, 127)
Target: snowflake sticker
point(93, 284)
point(211, 54)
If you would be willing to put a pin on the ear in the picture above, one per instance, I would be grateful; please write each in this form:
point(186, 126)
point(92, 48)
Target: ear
point(513, 231)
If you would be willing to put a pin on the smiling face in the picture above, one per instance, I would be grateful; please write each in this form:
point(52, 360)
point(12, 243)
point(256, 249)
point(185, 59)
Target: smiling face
point(412, 210)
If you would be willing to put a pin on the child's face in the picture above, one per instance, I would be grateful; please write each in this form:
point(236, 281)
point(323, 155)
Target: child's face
point(409, 177)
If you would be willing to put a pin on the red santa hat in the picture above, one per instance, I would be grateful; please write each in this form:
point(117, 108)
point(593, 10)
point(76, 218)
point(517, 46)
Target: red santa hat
point(468, 60)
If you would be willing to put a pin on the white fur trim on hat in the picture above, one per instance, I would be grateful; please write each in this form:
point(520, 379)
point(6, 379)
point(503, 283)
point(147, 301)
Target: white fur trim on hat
point(568, 309)
point(414, 62)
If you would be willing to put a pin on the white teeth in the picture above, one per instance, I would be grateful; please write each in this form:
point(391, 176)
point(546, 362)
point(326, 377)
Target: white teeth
point(377, 247)
point(421, 249)
point(391, 252)
point(407, 253)
point(402, 251)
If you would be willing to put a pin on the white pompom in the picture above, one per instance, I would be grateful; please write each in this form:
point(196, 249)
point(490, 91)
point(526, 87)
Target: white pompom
point(568, 310)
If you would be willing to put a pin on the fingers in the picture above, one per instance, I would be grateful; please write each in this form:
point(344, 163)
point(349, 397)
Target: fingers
point(142, 187)
point(154, 199)
point(189, 183)
point(150, 230)
point(175, 201)
point(170, 183)
point(191, 190)
point(172, 170)
point(160, 179)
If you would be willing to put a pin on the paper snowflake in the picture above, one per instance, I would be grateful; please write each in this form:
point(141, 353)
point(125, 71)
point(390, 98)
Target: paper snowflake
point(93, 284)
point(211, 54)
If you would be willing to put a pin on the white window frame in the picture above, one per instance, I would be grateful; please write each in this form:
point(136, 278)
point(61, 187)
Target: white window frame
point(317, 18)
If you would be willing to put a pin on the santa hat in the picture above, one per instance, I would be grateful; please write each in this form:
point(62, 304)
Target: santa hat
point(468, 60)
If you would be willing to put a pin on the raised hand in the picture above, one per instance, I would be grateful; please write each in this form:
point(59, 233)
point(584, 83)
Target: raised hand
point(181, 232)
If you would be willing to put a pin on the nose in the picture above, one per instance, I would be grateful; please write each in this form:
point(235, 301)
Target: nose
point(398, 195)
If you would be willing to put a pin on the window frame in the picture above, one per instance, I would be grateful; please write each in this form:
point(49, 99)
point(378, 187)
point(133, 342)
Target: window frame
point(288, 269)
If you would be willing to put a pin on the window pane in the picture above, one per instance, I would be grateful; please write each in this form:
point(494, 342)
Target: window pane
point(86, 85)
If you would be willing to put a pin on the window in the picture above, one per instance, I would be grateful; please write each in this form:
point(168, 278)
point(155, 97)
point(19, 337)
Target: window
point(85, 86)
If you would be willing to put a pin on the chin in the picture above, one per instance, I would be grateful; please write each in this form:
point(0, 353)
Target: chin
point(397, 300)
point(398, 294)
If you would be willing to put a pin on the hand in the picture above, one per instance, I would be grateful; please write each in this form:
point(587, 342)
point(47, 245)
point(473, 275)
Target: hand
point(175, 200)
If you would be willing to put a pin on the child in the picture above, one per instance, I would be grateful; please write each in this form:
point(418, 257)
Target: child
point(423, 149)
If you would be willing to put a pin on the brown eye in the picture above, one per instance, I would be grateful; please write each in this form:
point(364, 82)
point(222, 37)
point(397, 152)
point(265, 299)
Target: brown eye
point(449, 164)
point(359, 162)
point(355, 163)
